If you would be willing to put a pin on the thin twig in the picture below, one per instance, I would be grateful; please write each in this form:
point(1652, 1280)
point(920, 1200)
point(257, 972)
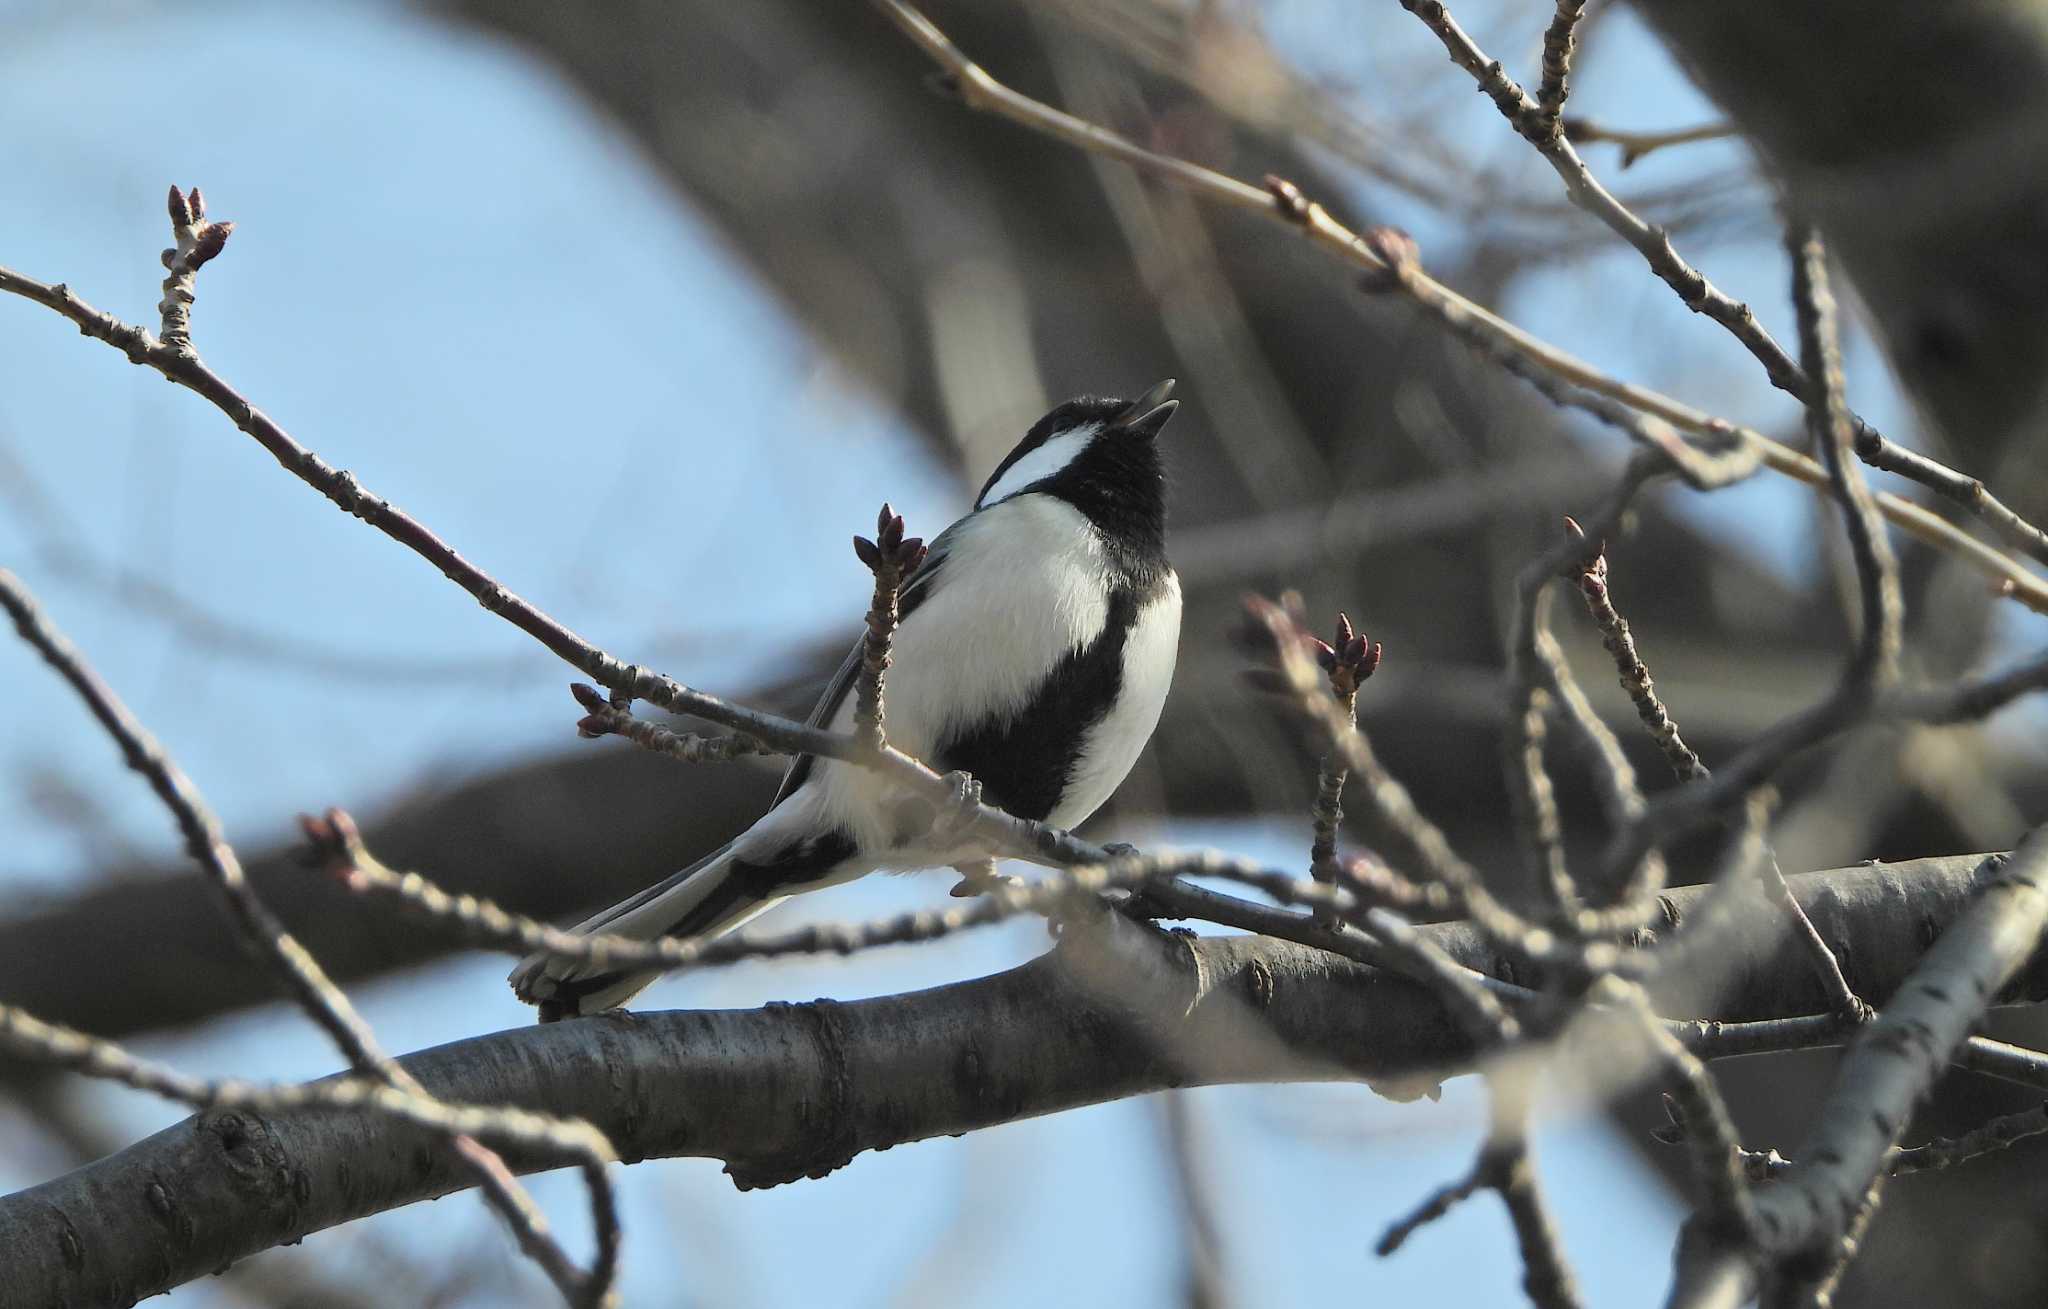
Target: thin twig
point(575, 1140)
point(1988, 1137)
point(1348, 660)
point(338, 847)
point(1283, 202)
point(1546, 1277)
point(197, 242)
point(1700, 295)
point(1434, 1206)
point(1717, 1153)
point(1477, 1009)
point(1005, 833)
point(1726, 455)
point(479, 921)
point(1635, 676)
point(1425, 845)
point(1827, 969)
point(1687, 808)
point(1828, 424)
point(603, 718)
point(1503, 1167)
point(1687, 767)
point(1967, 700)
point(1532, 797)
point(262, 933)
point(891, 559)
point(1181, 899)
point(1541, 676)
point(1559, 44)
point(1636, 144)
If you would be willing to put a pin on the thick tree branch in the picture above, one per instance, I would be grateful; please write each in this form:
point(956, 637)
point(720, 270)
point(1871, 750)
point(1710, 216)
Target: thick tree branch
point(795, 1090)
point(1825, 1196)
point(1898, 1057)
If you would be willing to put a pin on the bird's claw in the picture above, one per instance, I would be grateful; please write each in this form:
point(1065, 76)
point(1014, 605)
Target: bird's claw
point(959, 812)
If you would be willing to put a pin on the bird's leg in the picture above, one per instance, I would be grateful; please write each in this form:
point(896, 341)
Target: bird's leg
point(958, 813)
point(955, 817)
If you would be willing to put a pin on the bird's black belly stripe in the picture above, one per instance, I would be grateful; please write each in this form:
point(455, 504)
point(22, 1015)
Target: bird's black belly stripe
point(1023, 761)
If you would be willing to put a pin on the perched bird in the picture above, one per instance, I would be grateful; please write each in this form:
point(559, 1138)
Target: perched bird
point(1035, 646)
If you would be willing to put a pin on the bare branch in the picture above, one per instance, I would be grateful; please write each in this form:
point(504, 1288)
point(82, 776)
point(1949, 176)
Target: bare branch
point(1286, 204)
point(1348, 660)
point(1035, 1040)
point(575, 1142)
point(1636, 144)
point(1700, 295)
point(603, 718)
point(1988, 1137)
point(1559, 43)
point(1897, 1057)
point(1541, 676)
point(265, 937)
point(1828, 424)
point(1438, 1203)
point(1635, 676)
point(197, 242)
point(891, 559)
point(339, 848)
point(1717, 1153)
point(1686, 765)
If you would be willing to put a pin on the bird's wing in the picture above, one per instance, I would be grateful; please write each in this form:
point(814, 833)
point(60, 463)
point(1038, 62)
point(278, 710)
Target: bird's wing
point(916, 590)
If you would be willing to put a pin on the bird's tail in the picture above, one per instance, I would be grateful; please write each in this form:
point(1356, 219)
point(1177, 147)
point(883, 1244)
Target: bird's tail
point(703, 900)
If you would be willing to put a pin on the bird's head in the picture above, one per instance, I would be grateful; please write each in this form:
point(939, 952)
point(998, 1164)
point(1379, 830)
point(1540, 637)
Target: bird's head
point(1097, 454)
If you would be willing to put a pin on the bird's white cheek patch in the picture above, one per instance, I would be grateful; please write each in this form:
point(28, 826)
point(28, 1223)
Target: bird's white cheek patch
point(1043, 462)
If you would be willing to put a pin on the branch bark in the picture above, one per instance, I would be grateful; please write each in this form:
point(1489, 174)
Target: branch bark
point(791, 1091)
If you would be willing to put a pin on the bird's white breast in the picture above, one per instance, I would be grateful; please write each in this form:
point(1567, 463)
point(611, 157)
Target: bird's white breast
point(1024, 583)
point(1114, 744)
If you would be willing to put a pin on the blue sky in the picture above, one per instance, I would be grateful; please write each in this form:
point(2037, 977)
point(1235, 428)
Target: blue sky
point(455, 280)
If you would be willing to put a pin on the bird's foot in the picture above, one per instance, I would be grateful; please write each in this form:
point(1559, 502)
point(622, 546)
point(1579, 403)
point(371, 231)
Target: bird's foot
point(979, 877)
point(958, 813)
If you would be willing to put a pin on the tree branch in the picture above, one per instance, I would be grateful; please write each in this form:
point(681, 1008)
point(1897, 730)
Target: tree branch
point(1538, 124)
point(265, 937)
point(796, 1090)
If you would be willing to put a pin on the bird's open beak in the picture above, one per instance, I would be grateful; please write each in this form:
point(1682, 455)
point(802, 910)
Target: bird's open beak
point(1149, 412)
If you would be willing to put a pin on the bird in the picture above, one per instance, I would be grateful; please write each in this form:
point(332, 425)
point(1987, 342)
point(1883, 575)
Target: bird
point(1034, 649)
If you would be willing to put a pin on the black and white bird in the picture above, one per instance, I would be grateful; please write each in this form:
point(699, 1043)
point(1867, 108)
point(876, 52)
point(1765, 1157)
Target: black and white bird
point(1034, 651)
